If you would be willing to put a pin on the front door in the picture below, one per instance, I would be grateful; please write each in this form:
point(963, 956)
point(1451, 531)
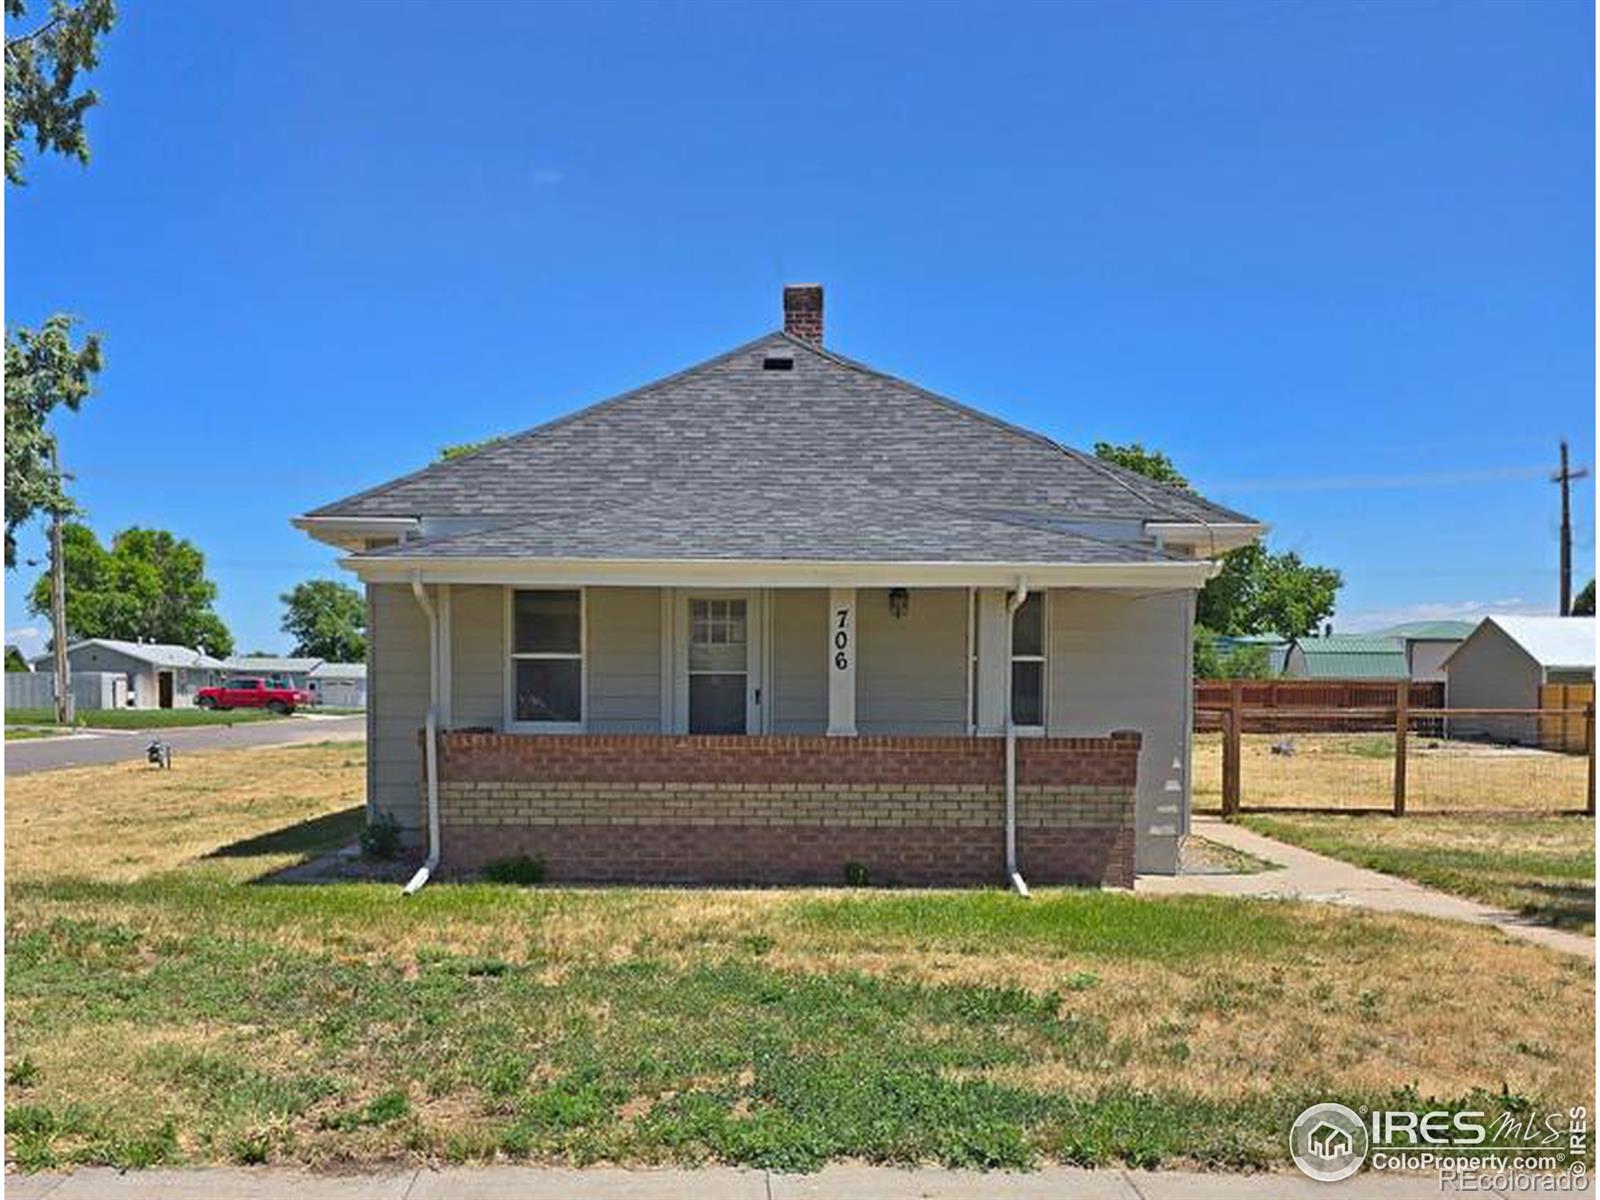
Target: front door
point(721, 687)
point(164, 689)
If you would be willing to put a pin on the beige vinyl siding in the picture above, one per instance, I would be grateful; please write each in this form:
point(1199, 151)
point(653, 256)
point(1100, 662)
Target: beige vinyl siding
point(622, 644)
point(1122, 662)
point(397, 704)
point(799, 687)
point(478, 656)
point(911, 671)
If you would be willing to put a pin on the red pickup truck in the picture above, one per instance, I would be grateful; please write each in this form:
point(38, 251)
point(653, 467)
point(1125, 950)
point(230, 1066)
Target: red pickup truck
point(252, 693)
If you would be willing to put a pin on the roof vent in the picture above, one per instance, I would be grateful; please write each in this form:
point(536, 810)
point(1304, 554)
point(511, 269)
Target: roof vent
point(777, 360)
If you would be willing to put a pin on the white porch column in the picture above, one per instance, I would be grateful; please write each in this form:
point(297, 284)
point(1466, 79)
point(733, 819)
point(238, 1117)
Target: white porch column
point(994, 661)
point(842, 662)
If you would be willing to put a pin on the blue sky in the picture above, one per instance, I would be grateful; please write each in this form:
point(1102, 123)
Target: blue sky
point(1336, 259)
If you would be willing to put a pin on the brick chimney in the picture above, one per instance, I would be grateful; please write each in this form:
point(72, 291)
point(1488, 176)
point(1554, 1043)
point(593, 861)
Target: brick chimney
point(802, 311)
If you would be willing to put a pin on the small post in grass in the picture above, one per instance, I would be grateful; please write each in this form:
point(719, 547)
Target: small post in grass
point(1588, 736)
point(1402, 723)
point(1233, 724)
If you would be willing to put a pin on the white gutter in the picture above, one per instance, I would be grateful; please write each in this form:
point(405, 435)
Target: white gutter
point(430, 748)
point(1013, 602)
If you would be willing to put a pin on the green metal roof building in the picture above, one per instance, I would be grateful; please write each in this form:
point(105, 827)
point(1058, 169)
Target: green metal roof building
point(1348, 656)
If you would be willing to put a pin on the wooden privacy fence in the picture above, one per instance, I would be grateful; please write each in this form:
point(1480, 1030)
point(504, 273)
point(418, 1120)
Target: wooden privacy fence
point(1287, 705)
point(1567, 731)
point(1504, 763)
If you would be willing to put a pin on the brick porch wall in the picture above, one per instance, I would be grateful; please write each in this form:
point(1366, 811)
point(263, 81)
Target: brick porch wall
point(693, 809)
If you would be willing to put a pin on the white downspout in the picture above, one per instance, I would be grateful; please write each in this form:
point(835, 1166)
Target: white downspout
point(430, 748)
point(1015, 601)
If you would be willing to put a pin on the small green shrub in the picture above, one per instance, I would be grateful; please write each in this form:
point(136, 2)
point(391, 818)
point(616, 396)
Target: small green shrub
point(856, 874)
point(381, 837)
point(524, 869)
point(23, 1073)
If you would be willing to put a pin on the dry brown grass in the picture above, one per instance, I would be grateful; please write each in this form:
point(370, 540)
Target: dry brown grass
point(1356, 771)
point(128, 820)
point(1345, 1002)
point(1452, 1008)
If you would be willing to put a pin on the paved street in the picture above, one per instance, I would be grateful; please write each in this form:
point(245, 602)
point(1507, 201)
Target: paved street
point(870, 1183)
point(120, 745)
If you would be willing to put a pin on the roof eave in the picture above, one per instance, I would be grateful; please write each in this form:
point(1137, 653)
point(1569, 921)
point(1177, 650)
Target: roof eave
point(1206, 538)
point(394, 568)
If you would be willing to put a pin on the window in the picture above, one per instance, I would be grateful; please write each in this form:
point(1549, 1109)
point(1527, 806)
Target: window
point(1027, 663)
point(547, 658)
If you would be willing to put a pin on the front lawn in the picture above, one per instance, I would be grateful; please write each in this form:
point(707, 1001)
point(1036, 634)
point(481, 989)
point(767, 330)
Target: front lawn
point(167, 1002)
point(143, 718)
point(1541, 867)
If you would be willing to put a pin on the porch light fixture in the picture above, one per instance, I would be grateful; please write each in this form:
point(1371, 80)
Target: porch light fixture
point(899, 602)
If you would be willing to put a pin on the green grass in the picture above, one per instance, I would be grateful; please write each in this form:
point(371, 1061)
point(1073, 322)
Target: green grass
point(1539, 867)
point(26, 734)
point(169, 1002)
point(143, 718)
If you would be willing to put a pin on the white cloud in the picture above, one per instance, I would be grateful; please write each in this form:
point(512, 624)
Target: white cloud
point(29, 639)
point(1449, 610)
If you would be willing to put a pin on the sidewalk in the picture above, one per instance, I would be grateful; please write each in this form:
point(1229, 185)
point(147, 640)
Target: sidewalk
point(867, 1183)
point(1311, 876)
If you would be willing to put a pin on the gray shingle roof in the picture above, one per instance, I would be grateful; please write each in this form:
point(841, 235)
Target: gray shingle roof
point(827, 460)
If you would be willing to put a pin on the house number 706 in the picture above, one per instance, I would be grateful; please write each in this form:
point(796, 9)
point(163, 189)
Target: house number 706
point(841, 641)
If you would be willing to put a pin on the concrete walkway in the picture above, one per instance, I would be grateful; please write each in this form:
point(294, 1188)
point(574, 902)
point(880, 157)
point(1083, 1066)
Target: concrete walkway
point(869, 1183)
point(1311, 876)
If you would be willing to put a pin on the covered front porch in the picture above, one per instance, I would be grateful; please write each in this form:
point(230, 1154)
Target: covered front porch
point(834, 695)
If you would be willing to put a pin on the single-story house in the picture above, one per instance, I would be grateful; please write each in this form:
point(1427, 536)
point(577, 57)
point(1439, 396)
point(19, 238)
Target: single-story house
point(1507, 662)
point(277, 671)
point(340, 685)
point(776, 614)
point(159, 675)
point(1427, 644)
point(1347, 656)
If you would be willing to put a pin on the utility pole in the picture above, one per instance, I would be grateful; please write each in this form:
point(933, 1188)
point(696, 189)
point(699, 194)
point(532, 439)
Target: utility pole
point(1564, 477)
point(58, 610)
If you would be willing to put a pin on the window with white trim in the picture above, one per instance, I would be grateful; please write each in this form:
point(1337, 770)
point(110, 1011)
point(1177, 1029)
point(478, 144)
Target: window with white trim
point(547, 657)
point(1027, 663)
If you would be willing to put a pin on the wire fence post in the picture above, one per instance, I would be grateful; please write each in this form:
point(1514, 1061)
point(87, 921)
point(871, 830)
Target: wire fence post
point(1230, 751)
point(1402, 725)
point(1588, 735)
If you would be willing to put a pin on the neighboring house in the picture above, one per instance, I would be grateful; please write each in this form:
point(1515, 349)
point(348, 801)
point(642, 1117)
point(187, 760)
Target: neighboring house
point(1505, 663)
point(1347, 656)
point(340, 685)
point(773, 615)
point(159, 675)
point(1427, 644)
point(278, 672)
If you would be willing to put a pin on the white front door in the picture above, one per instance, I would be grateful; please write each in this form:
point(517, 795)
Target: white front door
point(719, 680)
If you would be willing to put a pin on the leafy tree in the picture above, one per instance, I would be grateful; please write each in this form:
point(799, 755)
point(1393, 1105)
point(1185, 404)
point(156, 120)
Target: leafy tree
point(1256, 591)
point(149, 585)
point(14, 660)
point(446, 453)
point(42, 67)
point(1259, 592)
point(1213, 661)
point(327, 619)
point(1583, 602)
point(44, 371)
point(1152, 464)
